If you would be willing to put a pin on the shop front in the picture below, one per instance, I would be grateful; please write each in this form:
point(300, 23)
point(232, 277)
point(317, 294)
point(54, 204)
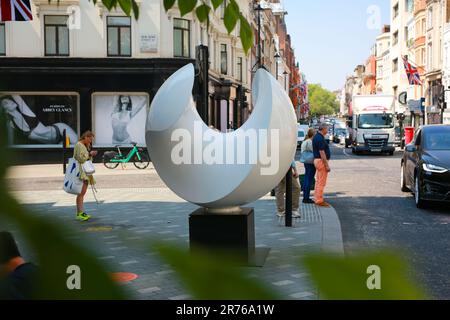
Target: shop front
point(43, 98)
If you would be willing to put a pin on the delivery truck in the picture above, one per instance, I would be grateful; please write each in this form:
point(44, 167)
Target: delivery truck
point(373, 124)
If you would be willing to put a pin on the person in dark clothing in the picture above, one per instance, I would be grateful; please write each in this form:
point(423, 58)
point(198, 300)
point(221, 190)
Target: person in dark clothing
point(17, 278)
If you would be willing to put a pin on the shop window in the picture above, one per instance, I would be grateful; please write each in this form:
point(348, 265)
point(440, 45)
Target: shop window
point(56, 36)
point(181, 38)
point(119, 36)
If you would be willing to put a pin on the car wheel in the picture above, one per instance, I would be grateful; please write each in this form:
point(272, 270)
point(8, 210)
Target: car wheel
point(403, 179)
point(391, 153)
point(420, 203)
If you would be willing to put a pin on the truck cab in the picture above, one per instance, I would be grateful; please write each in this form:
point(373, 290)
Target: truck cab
point(373, 124)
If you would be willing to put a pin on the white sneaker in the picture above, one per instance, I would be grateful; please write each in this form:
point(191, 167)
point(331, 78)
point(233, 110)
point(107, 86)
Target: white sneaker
point(296, 214)
point(280, 214)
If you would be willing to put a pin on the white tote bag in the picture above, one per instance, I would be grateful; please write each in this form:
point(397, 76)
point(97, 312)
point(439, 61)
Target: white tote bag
point(72, 182)
point(88, 168)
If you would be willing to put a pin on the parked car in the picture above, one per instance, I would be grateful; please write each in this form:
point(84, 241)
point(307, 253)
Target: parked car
point(302, 131)
point(425, 167)
point(340, 135)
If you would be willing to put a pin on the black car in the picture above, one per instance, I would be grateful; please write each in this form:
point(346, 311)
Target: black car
point(426, 165)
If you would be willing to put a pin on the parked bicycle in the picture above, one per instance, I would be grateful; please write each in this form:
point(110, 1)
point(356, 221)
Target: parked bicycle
point(139, 157)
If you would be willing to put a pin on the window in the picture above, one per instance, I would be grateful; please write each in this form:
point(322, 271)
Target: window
point(119, 36)
point(395, 38)
point(223, 59)
point(181, 38)
point(430, 18)
point(223, 6)
point(240, 69)
point(56, 36)
point(424, 56)
point(409, 5)
point(2, 40)
point(395, 9)
point(395, 65)
point(430, 56)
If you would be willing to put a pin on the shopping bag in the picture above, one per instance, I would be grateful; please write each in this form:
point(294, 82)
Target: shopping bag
point(72, 182)
point(88, 168)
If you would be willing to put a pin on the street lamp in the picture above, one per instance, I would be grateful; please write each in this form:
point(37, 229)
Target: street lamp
point(277, 60)
point(259, 8)
point(285, 79)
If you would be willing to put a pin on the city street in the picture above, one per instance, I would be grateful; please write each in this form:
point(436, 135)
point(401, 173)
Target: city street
point(374, 213)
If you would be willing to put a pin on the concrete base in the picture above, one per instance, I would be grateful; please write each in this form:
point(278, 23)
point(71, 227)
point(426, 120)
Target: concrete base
point(232, 233)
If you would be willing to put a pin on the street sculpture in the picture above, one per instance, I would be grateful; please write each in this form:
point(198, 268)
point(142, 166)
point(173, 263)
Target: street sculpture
point(221, 171)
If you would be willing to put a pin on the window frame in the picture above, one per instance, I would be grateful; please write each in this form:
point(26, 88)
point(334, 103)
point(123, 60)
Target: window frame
point(222, 52)
point(57, 27)
point(3, 26)
point(240, 65)
point(183, 30)
point(119, 27)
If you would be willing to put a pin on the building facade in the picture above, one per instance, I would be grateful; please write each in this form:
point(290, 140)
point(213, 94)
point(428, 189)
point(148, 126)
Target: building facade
point(77, 66)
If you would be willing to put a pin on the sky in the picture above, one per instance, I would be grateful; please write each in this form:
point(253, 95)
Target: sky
point(331, 37)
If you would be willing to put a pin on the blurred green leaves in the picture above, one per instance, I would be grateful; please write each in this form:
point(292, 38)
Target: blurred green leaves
point(232, 16)
point(216, 276)
point(55, 252)
point(349, 278)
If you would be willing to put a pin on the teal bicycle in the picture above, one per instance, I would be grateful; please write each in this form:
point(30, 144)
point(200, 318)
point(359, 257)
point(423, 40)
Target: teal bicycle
point(138, 156)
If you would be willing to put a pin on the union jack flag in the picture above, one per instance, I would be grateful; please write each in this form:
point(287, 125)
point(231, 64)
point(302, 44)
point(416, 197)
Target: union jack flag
point(15, 10)
point(412, 73)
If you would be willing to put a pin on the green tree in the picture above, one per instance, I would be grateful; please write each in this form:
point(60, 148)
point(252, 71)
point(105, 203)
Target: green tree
point(322, 101)
point(200, 8)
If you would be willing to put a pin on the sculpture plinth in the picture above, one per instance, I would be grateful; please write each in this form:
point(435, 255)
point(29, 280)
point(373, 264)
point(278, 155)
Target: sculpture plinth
point(229, 232)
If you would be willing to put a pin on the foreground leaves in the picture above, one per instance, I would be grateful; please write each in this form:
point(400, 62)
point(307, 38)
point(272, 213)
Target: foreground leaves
point(350, 278)
point(55, 252)
point(210, 276)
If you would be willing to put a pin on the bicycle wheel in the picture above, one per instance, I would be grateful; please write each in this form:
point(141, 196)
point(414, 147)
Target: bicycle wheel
point(143, 163)
point(110, 165)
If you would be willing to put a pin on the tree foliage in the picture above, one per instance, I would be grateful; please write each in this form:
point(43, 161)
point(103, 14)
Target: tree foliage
point(322, 101)
point(200, 8)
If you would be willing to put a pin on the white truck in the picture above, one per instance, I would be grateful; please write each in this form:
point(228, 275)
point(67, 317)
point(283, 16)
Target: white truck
point(373, 124)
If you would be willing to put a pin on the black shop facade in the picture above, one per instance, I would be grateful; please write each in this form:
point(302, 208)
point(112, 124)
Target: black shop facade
point(43, 98)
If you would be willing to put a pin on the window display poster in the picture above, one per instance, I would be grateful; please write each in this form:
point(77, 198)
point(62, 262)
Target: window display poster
point(119, 119)
point(40, 119)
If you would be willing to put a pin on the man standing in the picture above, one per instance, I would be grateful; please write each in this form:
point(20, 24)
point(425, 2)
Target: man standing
point(17, 278)
point(322, 155)
point(281, 192)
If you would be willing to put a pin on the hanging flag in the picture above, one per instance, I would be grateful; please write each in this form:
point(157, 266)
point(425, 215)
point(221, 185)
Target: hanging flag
point(412, 73)
point(15, 10)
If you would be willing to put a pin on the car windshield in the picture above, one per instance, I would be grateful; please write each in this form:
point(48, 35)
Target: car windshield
point(301, 134)
point(375, 121)
point(437, 140)
point(341, 131)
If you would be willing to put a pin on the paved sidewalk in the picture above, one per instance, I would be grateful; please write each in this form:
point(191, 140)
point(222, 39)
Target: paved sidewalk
point(126, 215)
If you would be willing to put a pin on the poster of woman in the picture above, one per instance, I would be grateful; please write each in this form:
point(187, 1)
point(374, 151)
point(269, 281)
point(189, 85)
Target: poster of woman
point(120, 119)
point(39, 119)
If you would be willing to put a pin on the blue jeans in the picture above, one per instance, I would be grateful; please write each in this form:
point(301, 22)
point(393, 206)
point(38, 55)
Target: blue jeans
point(310, 172)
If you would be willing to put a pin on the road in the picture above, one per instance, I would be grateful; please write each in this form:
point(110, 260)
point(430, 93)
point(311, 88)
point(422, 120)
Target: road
point(374, 214)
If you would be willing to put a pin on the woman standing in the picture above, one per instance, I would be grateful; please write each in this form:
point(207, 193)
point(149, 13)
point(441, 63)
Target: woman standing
point(83, 153)
point(310, 169)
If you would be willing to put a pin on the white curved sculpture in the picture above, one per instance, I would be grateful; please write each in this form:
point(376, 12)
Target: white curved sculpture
point(220, 186)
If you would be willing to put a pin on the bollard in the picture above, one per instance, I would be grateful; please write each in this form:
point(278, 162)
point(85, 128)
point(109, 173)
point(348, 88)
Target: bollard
point(64, 150)
point(289, 198)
